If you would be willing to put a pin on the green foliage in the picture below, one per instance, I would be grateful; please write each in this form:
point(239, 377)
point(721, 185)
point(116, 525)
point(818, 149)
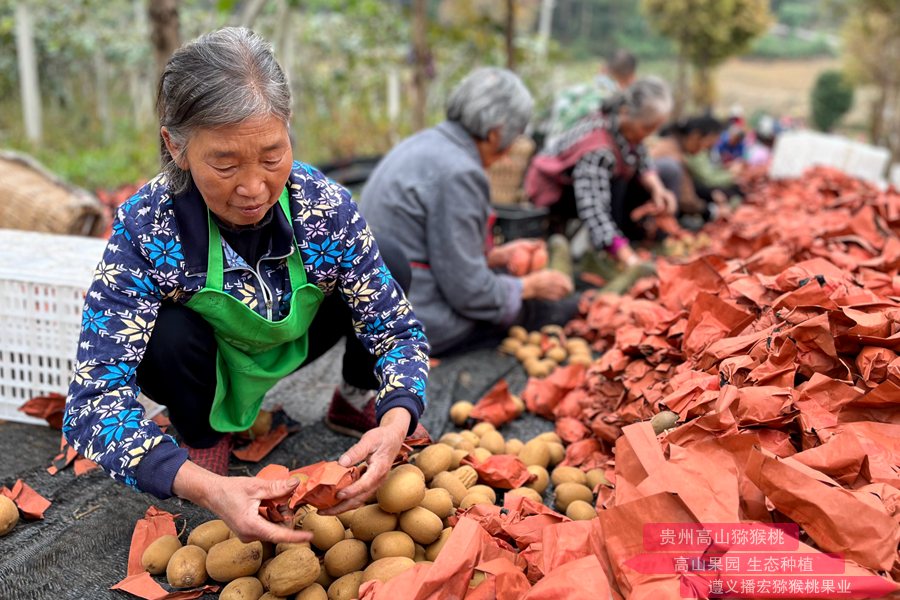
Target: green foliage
point(707, 32)
point(832, 97)
point(791, 47)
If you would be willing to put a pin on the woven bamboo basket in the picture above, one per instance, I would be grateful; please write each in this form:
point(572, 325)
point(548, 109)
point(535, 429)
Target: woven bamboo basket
point(33, 199)
point(507, 174)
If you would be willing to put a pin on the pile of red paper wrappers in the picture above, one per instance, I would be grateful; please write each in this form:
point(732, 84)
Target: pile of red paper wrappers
point(778, 350)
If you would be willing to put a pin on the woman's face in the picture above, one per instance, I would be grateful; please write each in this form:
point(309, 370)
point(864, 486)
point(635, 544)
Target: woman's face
point(692, 143)
point(240, 169)
point(636, 131)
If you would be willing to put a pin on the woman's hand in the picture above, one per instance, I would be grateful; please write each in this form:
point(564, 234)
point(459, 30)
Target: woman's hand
point(627, 256)
point(236, 501)
point(378, 447)
point(665, 200)
point(546, 284)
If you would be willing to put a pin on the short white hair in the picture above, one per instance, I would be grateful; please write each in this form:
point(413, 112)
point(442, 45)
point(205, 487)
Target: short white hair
point(490, 98)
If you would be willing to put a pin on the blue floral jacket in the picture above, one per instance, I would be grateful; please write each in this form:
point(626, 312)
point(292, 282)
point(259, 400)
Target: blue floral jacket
point(157, 253)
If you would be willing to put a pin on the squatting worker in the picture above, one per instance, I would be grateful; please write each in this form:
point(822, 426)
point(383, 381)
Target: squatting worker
point(431, 194)
point(228, 271)
point(599, 171)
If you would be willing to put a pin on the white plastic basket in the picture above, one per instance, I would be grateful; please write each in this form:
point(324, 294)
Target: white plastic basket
point(43, 281)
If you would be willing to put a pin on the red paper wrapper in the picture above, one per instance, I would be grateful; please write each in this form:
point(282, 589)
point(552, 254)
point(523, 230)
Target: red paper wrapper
point(502, 471)
point(155, 524)
point(31, 504)
point(49, 407)
point(325, 480)
point(496, 406)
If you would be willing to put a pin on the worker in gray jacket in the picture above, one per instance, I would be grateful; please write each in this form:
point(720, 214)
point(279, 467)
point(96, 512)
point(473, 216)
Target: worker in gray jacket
point(431, 195)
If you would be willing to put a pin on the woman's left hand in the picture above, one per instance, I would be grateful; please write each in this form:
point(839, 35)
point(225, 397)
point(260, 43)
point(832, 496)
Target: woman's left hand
point(665, 200)
point(378, 447)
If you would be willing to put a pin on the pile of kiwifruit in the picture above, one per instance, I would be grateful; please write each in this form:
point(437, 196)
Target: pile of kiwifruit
point(542, 351)
point(573, 488)
point(405, 523)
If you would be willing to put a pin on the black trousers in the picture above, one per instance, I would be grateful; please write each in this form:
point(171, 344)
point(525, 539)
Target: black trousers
point(625, 196)
point(179, 366)
point(533, 315)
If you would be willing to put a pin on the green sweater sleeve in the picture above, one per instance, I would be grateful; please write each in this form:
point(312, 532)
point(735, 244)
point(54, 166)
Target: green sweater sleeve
point(704, 171)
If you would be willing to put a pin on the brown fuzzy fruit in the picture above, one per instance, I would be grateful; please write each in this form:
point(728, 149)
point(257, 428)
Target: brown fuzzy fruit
point(510, 345)
point(541, 480)
point(434, 459)
point(518, 332)
point(242, 588)
point(566, 493)
point(514, 446)
point(393, 543)
point(579, 510)
point(596, 477)
point(484, 490)
point(313, 592)
point(433, 549)
point(291, 571)
point(438, 501)
point(473, 498)
point(482, 428)
point(346, 557)
point(206, 535)
point(187, 567)
point(557, 453)
point(493, 442)
point(452, 484)
point(370, 520)
point(386, 569)
point(401, 490)
point(228, 560)
point(327, 531)
point(346, 587)
point(526, 492)
point(459, 412)
point(535, 452)
point(156, 557)
point(563, 474)
point(467, 474)
point(9, 515)
point(422, 525)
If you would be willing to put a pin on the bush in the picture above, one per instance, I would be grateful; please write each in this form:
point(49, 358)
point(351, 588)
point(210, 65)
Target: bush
point(832, 97)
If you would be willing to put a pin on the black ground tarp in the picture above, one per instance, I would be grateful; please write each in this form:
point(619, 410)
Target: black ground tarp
point(81, 547)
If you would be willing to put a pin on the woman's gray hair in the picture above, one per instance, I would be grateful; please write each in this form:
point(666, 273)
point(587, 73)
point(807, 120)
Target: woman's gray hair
point(489, 98)
point(647, 99)
point(222, 78)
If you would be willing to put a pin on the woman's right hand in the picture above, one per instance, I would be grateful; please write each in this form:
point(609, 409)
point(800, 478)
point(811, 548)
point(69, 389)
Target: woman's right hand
point(627, 256)
point(236, 501)
point(546, 285)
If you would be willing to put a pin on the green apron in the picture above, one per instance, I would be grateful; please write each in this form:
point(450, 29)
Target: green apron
point(254, 353)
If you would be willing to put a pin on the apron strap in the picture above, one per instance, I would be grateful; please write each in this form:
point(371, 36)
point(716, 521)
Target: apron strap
point(215, 261)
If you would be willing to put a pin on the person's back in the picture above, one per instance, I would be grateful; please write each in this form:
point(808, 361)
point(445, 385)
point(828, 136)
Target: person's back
point(406, 184)
point(431, 195)
point(577, 102)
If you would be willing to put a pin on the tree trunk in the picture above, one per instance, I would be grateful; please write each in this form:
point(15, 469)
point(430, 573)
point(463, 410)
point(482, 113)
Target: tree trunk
point(28, 73)
point(876, 119)
point(165, 31)
point(704, 88)
point(511, 35)
point(101, 73)
point(681, 86)
point(421, 59)
point(545, 26)
point(251, 10)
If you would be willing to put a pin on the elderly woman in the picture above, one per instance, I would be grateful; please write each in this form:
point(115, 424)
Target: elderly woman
point(225, 273)
point(431, 194)
point(598, 171)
